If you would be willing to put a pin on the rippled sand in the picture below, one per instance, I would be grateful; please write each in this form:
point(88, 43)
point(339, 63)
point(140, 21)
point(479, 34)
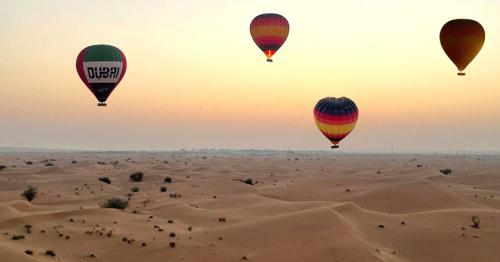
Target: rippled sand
point(302, 207)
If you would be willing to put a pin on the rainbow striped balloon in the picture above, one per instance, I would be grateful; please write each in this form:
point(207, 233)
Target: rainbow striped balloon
point(269, 32)
point(335, 118)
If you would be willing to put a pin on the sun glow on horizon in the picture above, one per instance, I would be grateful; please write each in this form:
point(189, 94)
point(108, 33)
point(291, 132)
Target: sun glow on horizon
point(195, 78)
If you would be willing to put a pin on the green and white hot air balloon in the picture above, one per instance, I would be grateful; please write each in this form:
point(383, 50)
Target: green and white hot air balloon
point(101, 68)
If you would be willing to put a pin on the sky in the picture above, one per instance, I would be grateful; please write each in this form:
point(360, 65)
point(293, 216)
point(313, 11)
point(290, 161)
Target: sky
point(195, 79)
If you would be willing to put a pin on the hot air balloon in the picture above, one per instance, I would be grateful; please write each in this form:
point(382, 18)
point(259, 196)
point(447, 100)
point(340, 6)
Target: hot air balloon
point(335, 118)
point(462, 39)
point(269, 32)
point(101, 68)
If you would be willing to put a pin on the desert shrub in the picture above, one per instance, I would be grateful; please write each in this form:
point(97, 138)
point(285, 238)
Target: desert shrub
point(167, 180)
point(115, 202)
point(136, 177)
point(29, 163)
point(2, 167)
point(105, 179)
point(163, 189)
point(29, 252)
point(445, 171)
point(248, 181)
point(475, 221)
point(74, 162)
point(50, 253)
point(128, 196)
point(30, 193)
point(135, 189)
point(17, 237)
point(49, 164)
point(28, 228)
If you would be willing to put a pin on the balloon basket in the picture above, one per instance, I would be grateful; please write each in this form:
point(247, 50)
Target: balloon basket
point(461, 73)
point(269, 60)
point(335, 146)
point(102, 104)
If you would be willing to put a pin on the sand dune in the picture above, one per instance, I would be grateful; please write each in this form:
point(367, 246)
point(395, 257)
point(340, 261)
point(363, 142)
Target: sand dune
point(301, 207)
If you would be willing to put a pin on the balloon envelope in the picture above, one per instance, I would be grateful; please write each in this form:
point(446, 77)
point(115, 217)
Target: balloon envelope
point(462, 39)
point(101, 68)
point(269, 32)
point(335, 118)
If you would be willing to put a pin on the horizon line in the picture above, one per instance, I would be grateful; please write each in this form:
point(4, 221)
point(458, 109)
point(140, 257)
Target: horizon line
point(21, 149)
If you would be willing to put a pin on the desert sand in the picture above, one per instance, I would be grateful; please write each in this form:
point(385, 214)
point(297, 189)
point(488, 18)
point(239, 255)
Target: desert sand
point(301, 207)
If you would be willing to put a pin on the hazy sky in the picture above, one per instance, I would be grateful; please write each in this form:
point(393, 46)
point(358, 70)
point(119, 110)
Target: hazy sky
point(195, 79)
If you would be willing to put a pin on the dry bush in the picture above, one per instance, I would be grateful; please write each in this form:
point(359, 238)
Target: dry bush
point(114, 202)
point(136, 177)
point(30, 193)
point(105, 179)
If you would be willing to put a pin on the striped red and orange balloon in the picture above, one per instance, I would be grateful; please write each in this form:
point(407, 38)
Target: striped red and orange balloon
point(335, 118)
point(269, 32)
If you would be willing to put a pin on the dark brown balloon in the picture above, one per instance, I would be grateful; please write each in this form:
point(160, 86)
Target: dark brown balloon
point(462, 39)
